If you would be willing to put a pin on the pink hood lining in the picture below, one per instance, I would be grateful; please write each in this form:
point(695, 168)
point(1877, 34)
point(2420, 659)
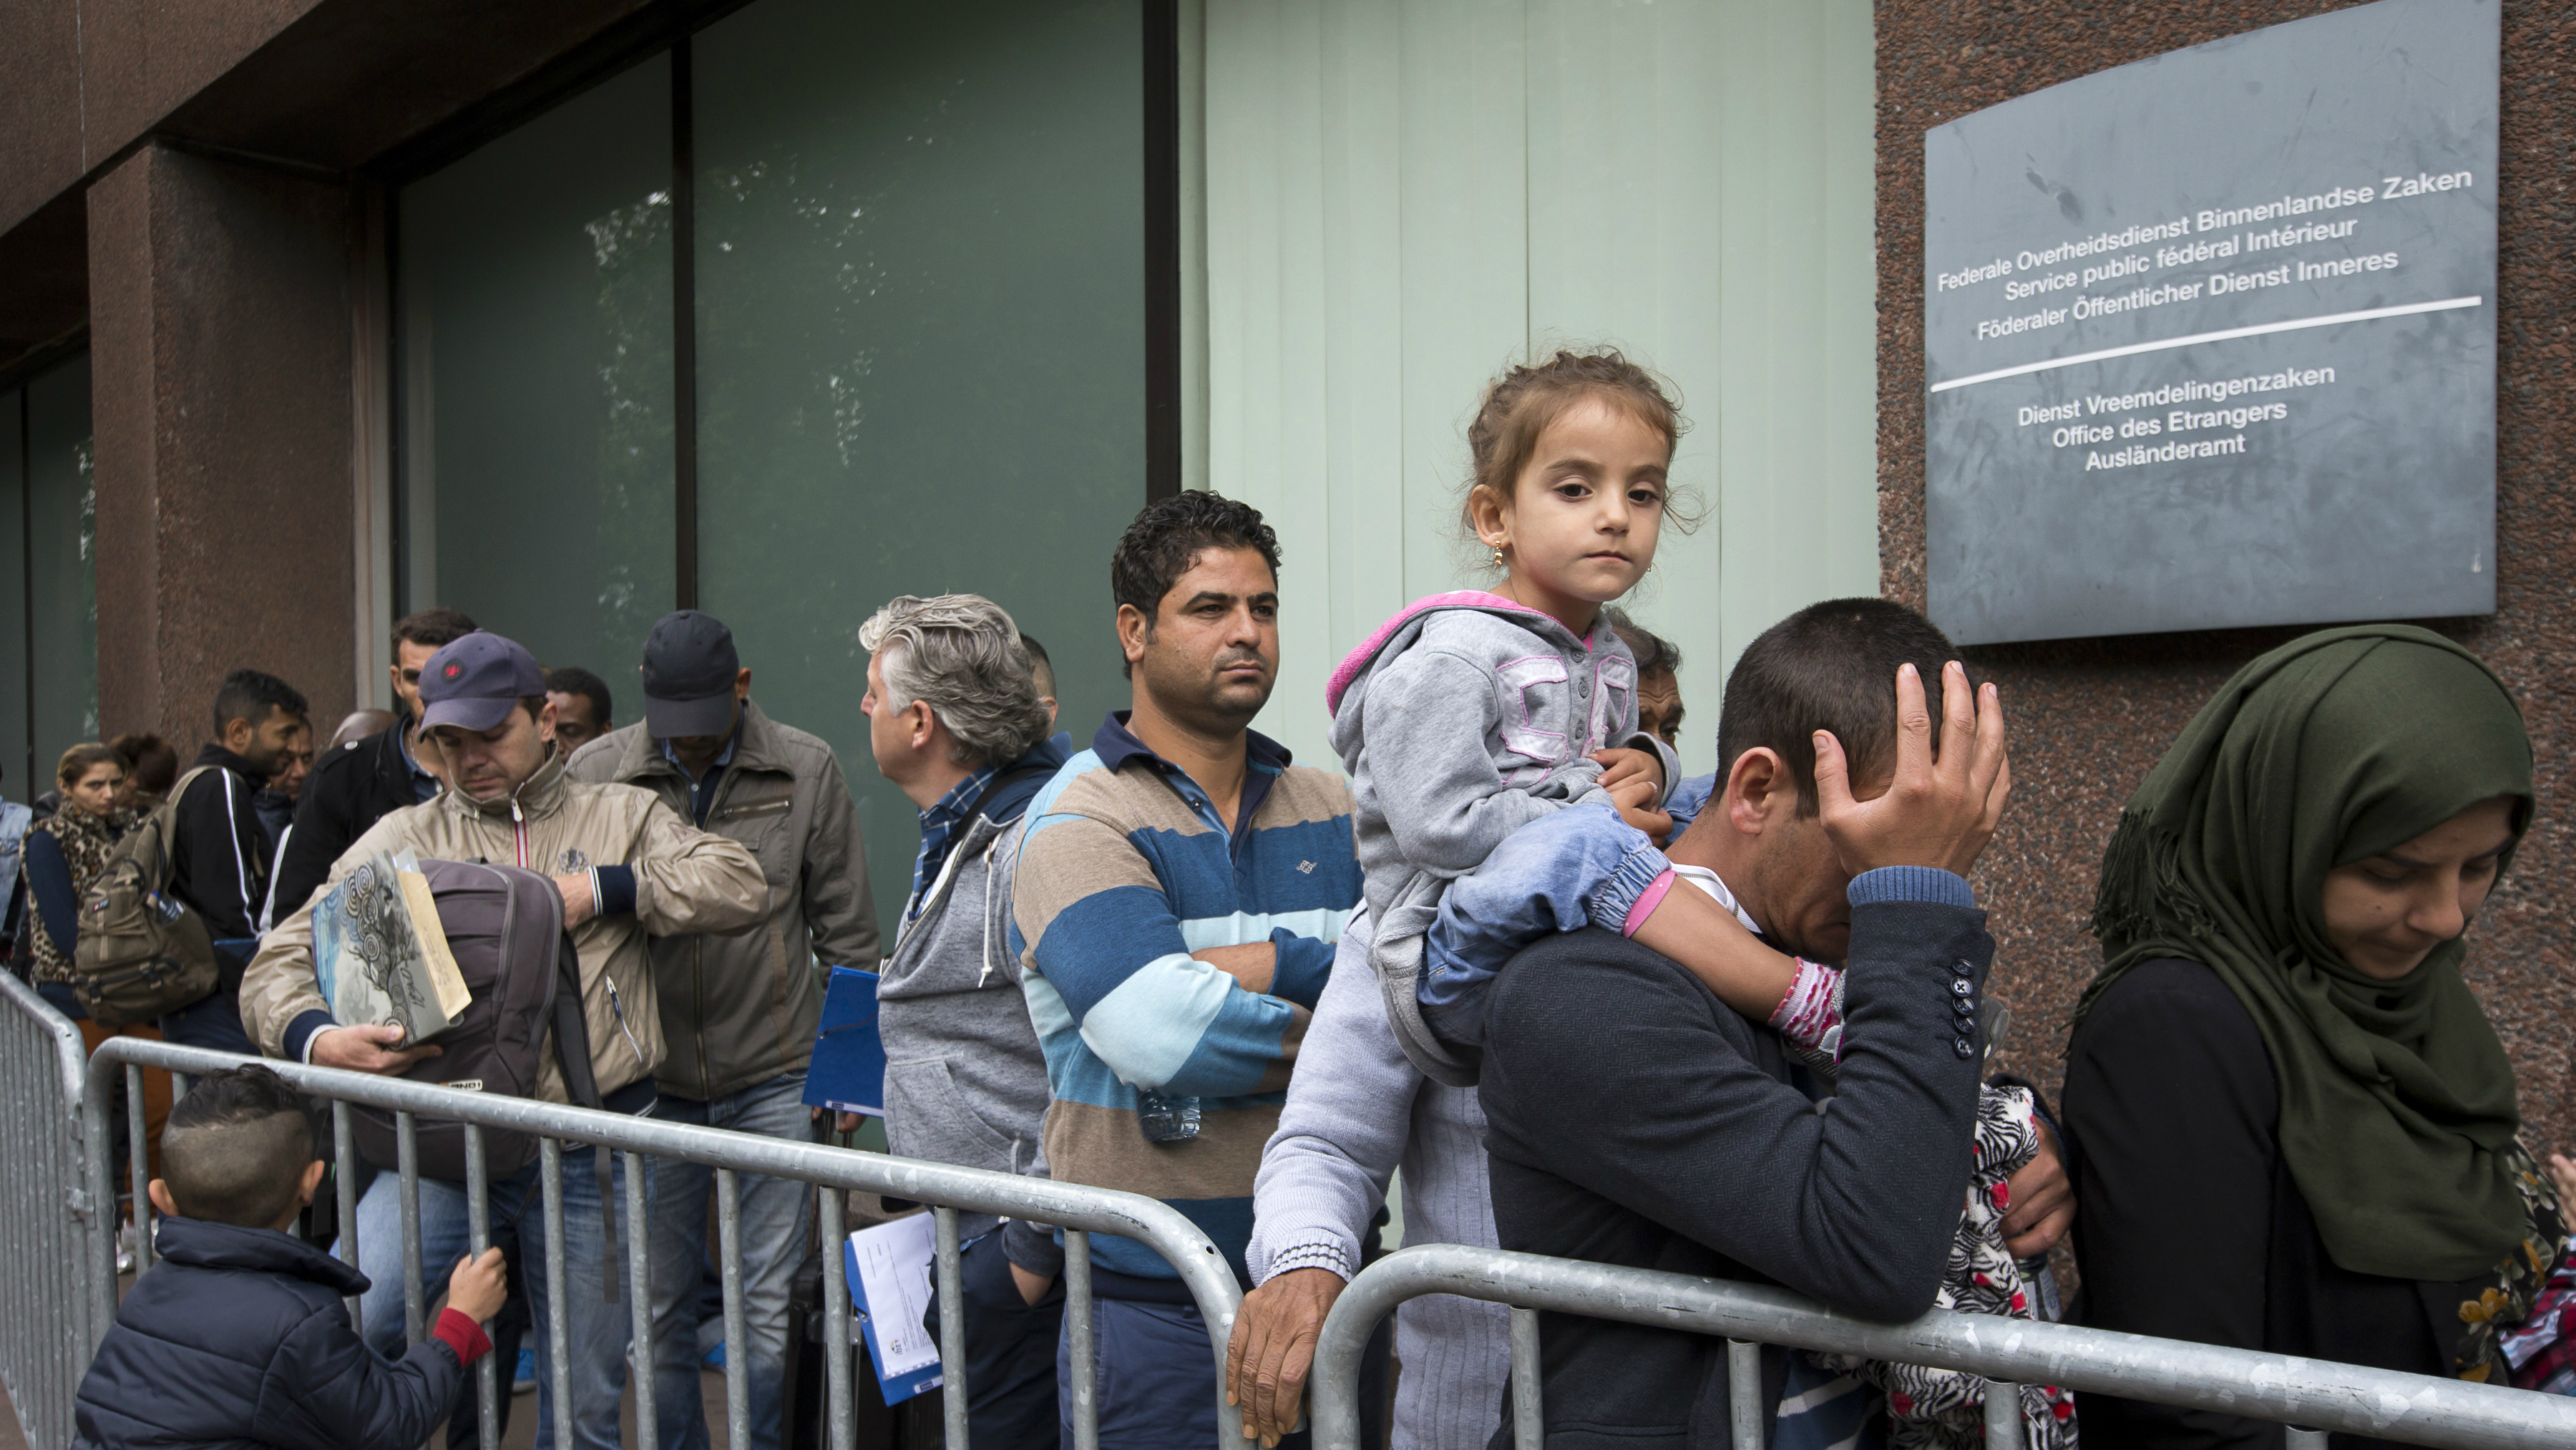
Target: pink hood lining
point(1358, 661)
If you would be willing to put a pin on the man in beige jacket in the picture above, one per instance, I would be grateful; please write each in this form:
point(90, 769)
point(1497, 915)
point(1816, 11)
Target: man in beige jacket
point(628, 869)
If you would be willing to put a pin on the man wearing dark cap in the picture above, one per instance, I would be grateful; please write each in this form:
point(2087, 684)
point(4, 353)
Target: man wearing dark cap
point(628, 869)
point(740, 1012)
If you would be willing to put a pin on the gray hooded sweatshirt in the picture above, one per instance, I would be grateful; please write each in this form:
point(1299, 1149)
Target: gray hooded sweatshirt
point(1464, 718)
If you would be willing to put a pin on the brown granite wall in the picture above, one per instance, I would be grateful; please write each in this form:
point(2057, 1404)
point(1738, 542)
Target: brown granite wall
point(2090, 716)
point(220, 366)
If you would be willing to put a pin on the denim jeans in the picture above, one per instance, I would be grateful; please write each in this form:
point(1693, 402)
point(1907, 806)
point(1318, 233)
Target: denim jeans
point(1582, 866)
point(777, 1220)
point(598, 1329)
point(212, 1022)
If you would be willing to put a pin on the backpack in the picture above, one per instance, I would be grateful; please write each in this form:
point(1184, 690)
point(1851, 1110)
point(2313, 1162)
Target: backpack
point(141, 951)
point(505, 928)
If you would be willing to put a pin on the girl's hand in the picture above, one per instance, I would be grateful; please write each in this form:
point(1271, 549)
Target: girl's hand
point(1635, 799)
point(1625, 765)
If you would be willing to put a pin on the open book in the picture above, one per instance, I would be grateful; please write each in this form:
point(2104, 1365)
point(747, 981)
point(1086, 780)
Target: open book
point(380, 954)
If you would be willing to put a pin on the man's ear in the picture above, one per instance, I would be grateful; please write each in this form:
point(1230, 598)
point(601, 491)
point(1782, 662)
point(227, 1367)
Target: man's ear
point(742, 684)
point(1134, 629)
point(1759, 790)
point(312, 1183)
point(546, 721)
point(162, 1202)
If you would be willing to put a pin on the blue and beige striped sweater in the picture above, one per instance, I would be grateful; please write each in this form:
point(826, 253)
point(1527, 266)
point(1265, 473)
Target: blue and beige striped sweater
point(1124, 871)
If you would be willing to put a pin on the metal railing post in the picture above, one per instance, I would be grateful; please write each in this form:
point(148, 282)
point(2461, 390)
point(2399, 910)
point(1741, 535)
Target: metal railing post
point(2003, 1415)
point(478, 1229)
point(558, 1294)
point(842, 1424)
point(639, 1288)
point(1078, 1345)
point(1744, 1394)
point(1529, 1416)
point(952, 1325)
point(344, 1194)
point(407, 1170)
point(737, 1335)
point(138, 1153)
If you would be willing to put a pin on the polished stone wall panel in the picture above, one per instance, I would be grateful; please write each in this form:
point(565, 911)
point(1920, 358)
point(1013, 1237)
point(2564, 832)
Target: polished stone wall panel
point(2090, 717)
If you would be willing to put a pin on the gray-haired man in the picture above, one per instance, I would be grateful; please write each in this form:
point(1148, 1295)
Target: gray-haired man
point(957, 725)
point(739, 1012)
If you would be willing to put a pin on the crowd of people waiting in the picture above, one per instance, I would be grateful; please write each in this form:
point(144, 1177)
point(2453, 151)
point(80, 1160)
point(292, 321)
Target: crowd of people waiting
point(1581, 1006)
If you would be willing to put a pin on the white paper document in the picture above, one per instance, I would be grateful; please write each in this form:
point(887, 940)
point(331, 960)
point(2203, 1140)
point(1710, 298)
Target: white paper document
point(890, 1270)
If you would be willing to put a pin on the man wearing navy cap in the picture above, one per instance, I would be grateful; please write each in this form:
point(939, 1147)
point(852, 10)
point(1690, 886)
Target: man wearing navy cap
point(629, 869)
point(740, 1012)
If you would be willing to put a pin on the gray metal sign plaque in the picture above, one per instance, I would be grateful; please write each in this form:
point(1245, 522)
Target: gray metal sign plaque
point(2209, 339)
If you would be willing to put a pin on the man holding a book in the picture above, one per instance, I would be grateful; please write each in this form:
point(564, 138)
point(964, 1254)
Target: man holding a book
point(627, 869)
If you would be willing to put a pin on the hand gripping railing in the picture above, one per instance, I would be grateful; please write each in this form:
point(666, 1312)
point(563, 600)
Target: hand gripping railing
point(2311, 1396)
point(1079, 1210)
point(48, 1212)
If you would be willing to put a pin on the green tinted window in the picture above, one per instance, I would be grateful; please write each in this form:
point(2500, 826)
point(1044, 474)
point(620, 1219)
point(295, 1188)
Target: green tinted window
point(535, 280)
point(921, 341)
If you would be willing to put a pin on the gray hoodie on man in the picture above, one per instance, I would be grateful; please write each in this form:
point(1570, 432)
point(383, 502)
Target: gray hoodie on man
point(1464, 718)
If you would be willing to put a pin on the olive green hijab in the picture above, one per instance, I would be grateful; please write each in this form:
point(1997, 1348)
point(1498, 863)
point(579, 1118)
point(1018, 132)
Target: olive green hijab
point(2397, 1103)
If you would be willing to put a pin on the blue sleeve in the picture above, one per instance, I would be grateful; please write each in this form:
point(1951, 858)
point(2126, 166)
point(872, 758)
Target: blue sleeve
point(49, 881)
point(300, 1032)
point(1911, 883)
point(616, 890)
point(1102, 933)
point(1582, 866)
point(1303, 964)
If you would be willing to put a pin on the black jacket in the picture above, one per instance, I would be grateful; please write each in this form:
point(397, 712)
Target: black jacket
point(350, 789)
point(1634, 1119)
point(2192, 1227)
point(220, 863)
point(239, 1337)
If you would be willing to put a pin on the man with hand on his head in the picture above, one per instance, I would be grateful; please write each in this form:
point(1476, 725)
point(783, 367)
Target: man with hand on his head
point(628, 869)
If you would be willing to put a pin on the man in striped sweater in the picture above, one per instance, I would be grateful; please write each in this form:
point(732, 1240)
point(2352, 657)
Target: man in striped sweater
point(1179, 891)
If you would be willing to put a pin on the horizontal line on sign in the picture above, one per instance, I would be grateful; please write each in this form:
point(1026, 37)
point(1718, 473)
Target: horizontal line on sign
point(2329, 320)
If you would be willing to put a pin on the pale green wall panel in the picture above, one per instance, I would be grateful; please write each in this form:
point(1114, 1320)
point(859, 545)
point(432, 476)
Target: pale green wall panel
point(1402, 198)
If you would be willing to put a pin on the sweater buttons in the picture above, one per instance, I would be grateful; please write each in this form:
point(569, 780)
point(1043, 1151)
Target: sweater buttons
point(1964, 1047)
point(1965, 1008)
point(1961, 987)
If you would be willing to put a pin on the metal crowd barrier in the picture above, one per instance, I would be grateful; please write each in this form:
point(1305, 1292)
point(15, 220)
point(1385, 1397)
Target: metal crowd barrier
point(2310, 1396)
point(49, 1215)
point(1080, 1211)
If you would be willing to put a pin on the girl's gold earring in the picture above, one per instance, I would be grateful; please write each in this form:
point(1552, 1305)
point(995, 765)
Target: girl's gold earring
point(1498, 556)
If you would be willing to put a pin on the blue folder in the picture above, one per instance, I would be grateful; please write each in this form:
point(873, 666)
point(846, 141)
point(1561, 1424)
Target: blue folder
point(848, 1071)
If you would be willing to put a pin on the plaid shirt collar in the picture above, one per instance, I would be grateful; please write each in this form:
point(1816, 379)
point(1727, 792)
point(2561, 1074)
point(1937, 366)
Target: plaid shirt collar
point(939, 826)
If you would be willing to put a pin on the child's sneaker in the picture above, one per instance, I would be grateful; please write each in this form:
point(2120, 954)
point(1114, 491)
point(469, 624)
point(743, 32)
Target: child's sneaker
point(1809, 1018)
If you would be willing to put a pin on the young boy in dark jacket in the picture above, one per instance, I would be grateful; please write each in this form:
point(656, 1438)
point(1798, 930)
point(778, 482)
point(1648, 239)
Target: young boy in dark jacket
point(239, 1335)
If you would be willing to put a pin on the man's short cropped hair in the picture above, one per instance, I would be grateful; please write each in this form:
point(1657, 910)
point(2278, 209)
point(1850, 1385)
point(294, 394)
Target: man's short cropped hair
point(960, 655)
point(236, 1148)
point(574, 680)
point(250, 695)
point(1830, 666)
point(432, 627)
point(1165, 539)
point(1041, 664)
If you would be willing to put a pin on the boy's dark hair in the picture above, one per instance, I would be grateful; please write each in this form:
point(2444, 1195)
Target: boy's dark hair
point(1041, 665)
point(435, 626)
point(1653, 651)
point(1159, 547)
point(1830, 666)
point(574, 680)
point(250, 695)
point(236, 1148)
point(149, 760)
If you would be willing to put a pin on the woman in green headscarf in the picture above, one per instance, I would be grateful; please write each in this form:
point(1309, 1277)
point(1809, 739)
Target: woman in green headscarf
point(2295, 1125)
